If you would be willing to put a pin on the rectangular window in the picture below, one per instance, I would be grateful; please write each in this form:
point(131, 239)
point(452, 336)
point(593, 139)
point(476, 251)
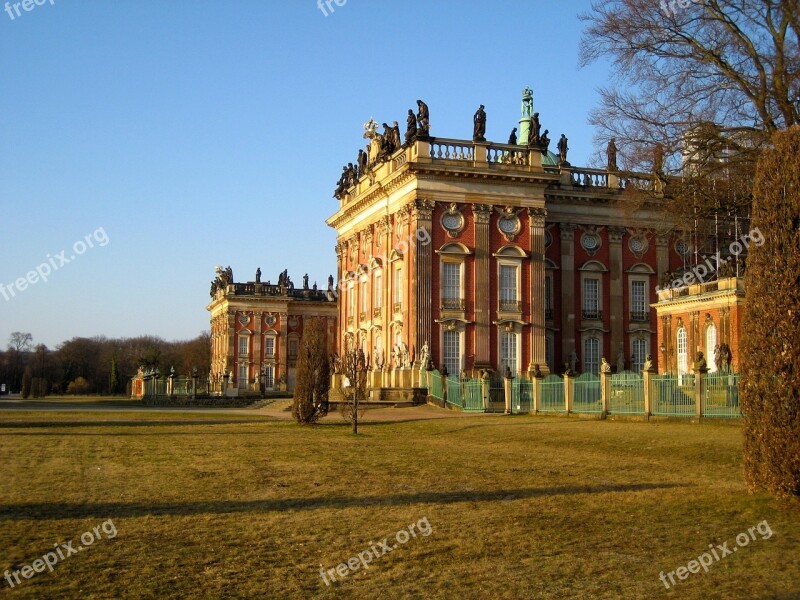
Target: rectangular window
point(243, 345)
point(242, 379)
point(508, 352)
point(452, 352)
point(378, 296)
point(451, 281)
point(293, 349)
point(638, 355)
point(591, 298)
point(363, 294)
point(351, 301)
point(591, 356)
point(548, 297)
point(269, 377)
point(398, 286)
point(639, 310)
point(508, 284)
point(269, 345)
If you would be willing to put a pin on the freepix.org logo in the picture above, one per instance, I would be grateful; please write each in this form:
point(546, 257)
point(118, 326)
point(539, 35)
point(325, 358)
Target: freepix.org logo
point(13, 8)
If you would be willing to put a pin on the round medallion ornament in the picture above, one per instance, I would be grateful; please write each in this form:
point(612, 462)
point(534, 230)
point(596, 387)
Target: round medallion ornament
point(590, 242)
point(244, 319)
point(637, 245)
point(508, 224)
point(270, 320)
point(452, 221)
point(682, 247)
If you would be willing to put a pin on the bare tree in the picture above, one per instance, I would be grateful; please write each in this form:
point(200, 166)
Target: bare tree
point(703, 83)
point(313, 375)
point(355, 370)
point(19, 345)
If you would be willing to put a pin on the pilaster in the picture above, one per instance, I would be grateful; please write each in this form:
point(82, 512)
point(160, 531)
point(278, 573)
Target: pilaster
point(482, 213)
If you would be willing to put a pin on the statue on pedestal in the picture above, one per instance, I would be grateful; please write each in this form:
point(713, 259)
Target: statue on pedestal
point(258, 275)
point(305, 281)
point(423, 120)
point(573, 361)
point(611, 155)
point(527, 102)
point(544, 141)
point(605, 366)
point(479, 128)
point(512, 139)
point(535, 130)
point(563, 148)
point(648, 364)
point(411, 127)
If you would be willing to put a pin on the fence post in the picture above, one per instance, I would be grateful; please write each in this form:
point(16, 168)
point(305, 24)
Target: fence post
point(507, 379)
point(485, 383)
point(569, 389)
point(699, 387)
point(536, 392)
point(605, 393)
point(647, 377)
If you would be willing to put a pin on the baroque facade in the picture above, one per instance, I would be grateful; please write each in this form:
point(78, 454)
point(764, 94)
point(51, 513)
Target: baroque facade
point(482, 256)
point(256, 330)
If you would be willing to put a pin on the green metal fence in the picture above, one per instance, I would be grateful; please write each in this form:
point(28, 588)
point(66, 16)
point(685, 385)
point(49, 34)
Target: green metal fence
point(454, 392)
point(673, 395)
point(627, 394)
point(721, 396)
point(435, 385)
point(521, 395)
point(552, 394)
point(473, 395)
point(423, 378)
point(587, 396)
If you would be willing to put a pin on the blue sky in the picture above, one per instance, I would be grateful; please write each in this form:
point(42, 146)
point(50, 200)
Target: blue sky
point(191, 134)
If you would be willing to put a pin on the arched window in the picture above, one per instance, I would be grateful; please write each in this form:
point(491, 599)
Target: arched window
point(711, 345)
point(683, 352)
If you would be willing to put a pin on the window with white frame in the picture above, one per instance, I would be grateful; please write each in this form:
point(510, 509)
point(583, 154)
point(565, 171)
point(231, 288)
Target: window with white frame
point(378, 295)
point(591, 298)
point(508, 287)
point(398, 285)
point(711, 345)
point(269, 377)
point(451, 281)
point(591, 355)
point(241, 381)
point(351, 301)
point(509, 343)
point(293, 345)
point(244, 345)
point(682, 348)
point(363, 294)
point(451, 354)
point(269, 346)
point(639, 310)
point(638, 354)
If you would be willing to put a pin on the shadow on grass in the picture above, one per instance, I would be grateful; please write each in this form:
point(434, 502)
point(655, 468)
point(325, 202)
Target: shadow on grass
point(112, 423)
point(105, 510)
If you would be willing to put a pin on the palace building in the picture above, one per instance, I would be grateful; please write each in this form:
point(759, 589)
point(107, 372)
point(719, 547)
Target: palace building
point(482, 256)
point(256, 330)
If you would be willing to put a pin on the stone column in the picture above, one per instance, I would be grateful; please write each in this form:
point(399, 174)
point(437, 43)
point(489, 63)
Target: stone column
point(647, 385)
point(537, 393)
point(567, 298)
point(421, 292)
point(605, 392)
point(616, 310)
point(537, 352)
point(483, 287)
point(507, 383)
point(384, 230)
point(569, 390)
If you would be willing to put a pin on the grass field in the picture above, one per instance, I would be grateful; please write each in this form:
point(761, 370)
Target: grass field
point(518, 507)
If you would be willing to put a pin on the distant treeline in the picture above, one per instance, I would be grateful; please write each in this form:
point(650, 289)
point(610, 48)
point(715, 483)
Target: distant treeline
point(97, 365)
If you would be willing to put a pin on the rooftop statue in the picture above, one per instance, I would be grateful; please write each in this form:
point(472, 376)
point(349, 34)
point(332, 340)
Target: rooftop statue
point(423, 120)
point(534, 133)
point(563, 148)
point(611, 155)
point(479, 129)
point(544, 141)
point(411, 127)
point(512, 139)
point(527, 102)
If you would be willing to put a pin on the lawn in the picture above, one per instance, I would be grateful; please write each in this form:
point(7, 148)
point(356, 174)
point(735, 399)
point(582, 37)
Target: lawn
point(518, 507)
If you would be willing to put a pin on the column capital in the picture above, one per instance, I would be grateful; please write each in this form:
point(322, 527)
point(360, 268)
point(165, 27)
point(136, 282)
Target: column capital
point(537, 216)
point(482, 212)
point(662, 240)
point(567, 231)
point(615, 234)
point(423, 209)
point(383, 225)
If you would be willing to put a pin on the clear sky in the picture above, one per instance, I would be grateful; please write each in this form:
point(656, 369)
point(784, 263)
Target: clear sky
point(178, 135)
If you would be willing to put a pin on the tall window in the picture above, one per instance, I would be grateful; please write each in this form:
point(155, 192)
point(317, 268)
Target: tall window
point(508, 351)
point(639, 354)
point(508, 287)
point(683, 352)
point(591, 298)
point(639, 310)
point(363, 293)
point(269, 377)
point(378, 295)
point(243, 345)
point(269, 346)
point(293, 349)
point(711, 344)
point(452, 352)
point(241, 381)
point(548, 297)
point(398, 285)
point(591, 355)
point(549, 351)
point(451, 281)
point(351, 301)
